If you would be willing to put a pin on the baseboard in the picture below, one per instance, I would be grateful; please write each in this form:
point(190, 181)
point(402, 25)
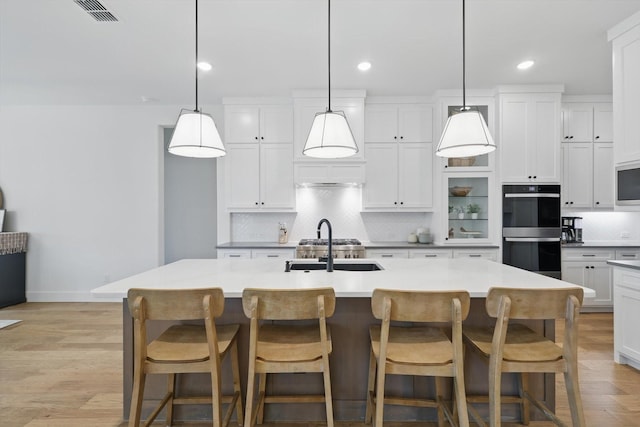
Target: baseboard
point(66, 296)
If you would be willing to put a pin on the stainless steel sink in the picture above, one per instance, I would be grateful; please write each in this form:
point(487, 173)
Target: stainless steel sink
point(342, 266)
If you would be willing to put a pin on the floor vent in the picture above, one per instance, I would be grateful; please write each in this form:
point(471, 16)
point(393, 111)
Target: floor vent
point(96, 10)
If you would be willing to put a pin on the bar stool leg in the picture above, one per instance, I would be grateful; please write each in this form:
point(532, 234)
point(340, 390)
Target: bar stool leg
point(171, 387)
point(262, 387)
point(525, 405)
point(494, 395)
point(371, 384)
point(573, 394)
point(236, 382)
point(326, 375)
point(136, 397)
point(438, 382)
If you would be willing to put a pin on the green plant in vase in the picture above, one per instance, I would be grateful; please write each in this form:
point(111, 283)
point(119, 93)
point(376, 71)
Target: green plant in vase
point(474, 210)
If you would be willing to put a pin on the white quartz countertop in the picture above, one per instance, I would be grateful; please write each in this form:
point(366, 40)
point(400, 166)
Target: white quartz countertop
point(635, 265)
point(233, 275)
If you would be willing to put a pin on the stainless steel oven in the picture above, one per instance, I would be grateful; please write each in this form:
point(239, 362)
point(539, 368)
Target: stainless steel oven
point(531, 228)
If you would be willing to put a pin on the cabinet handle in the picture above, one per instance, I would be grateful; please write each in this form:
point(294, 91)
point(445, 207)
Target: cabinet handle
point(234, 256)
point(535, 177)
point(566, 203)
point(586, 266)
point(402, 137)
point(273, 256)
point(597, 203)
point(598, 137)
point(628, 255)
point(387, 255)
point(256, 138)
point(262, 203)
point(395, 137)
point(475, 255)
point(571, 137)
point(570, 203)
point(402, 203)
point(262, 137)
point(530, 176)
point(256, 203)
point(589, 255)
point(446, 166)
point(430, 255)
point(395, 203)
point(566, 137)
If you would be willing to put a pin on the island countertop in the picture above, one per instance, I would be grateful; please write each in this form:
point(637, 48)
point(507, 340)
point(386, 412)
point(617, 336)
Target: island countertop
point(233, 275)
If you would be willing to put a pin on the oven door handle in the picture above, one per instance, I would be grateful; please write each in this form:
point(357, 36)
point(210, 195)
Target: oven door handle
point(532, 239)
point(531, 195)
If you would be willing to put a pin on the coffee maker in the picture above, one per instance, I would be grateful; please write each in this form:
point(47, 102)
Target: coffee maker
point(572, 229)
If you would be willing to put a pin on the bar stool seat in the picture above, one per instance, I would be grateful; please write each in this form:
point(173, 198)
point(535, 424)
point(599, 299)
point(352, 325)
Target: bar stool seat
point(409, 345)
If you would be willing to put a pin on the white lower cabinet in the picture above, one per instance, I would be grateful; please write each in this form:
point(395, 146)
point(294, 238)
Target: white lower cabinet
point(257, 253)
point(387, 253)
point(628, 254)
point(430, 253)
point(234, 253)
point(626, 316)
point(490, 254)
point(588, 267)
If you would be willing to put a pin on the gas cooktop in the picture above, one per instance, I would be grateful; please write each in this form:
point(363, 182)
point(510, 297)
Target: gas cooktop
point(325, 242)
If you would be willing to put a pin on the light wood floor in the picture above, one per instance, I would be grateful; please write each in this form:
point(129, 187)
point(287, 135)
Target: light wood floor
point(62, 367)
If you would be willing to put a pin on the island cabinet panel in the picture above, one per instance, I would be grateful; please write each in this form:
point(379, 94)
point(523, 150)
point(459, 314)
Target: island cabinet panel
point(626, 316)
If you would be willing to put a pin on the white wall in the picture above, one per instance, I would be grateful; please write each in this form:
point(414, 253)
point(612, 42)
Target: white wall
point(85, 183)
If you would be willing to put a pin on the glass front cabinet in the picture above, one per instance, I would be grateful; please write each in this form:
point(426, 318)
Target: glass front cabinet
point(470, 215)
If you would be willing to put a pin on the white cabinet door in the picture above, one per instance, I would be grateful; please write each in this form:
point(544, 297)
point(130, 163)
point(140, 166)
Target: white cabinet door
point(276, 176)
point(628, 254)
point(594, 275)
point(258, 123)
point(603, 175)
point(276, 124)
point(234, 253)
point(381, 184)
point(398, 123)
point(626, 316)
point(577, 172)
point(415, 123)
point(242, 165)
point(241, 124)
point(529, 138)
point(603, 122)
point(577, 123)
point(273, 253)
point(381, 123)
point(415, 177)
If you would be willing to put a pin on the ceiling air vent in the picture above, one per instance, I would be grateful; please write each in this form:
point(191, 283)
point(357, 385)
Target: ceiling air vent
point(96, 10)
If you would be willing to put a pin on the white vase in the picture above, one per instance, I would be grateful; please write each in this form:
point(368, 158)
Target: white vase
point(474, 215)
point(461, 215)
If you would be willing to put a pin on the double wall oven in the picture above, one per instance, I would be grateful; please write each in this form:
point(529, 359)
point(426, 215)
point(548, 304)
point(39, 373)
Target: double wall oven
point(531, 228)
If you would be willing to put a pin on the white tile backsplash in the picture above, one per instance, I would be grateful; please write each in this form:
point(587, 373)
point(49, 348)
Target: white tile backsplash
point(341, 205)
point(609, 226)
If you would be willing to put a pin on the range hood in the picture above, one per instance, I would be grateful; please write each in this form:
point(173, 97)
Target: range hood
point(332, 173)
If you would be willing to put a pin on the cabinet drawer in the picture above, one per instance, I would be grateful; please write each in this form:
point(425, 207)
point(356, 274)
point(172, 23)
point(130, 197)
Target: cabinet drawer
point(430, 254)
point(628, 254)
point(585, 254)
point(387, 253)
point(490, 254)
point(234, 253)
point(273, 253)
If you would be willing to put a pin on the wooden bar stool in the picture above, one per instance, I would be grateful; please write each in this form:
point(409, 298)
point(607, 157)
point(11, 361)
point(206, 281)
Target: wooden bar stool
point(291, 347)
point(513, 347)
point(183, 349)
point(417, 350)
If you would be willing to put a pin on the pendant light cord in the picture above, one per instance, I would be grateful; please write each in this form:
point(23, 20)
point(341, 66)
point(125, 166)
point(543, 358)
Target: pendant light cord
point(329, 50)
point(196, 56)
point(464, 96)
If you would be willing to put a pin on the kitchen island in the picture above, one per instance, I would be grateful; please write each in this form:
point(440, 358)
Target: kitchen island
point(626, 312)
point(349, 324)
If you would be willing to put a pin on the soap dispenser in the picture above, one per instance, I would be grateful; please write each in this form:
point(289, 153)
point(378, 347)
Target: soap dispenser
point(283, 235)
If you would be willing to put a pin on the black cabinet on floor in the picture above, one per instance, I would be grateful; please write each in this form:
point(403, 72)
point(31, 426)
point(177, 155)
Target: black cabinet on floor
point(12, 279)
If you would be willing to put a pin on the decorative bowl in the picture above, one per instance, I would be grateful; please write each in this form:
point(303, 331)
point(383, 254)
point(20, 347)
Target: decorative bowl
point(460, 191)
point(462, 161)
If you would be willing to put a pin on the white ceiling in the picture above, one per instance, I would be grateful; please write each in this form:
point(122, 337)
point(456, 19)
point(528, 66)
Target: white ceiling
point(52, 52)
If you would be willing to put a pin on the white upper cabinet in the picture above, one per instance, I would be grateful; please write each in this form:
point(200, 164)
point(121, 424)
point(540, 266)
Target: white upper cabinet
point(603, 122)
point(399, 177)
point(529, 142)
point(603, 175)
point(577, 180)
point(625, 38)
point(577, 122)
point(258, 123)
point(398, 122)
point(259, 161)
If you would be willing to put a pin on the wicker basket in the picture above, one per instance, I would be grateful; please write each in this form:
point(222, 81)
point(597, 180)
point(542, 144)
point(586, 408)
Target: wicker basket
point(462, 161)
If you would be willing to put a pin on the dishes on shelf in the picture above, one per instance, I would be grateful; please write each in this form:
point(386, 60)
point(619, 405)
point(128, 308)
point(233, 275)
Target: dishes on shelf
point(460, 191)
point(469, 233)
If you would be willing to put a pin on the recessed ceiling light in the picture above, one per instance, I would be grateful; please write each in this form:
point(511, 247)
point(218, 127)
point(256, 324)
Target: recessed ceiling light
point(364, 66)
point(525, 64)
point(204, 66)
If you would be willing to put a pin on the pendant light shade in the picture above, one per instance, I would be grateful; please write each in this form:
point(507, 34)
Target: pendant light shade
point(330, 136)
point(466, 133)
point(196, 134)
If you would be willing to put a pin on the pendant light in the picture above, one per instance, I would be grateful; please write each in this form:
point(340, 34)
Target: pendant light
point(330, 136)
point(195, 134)
point(466, 133)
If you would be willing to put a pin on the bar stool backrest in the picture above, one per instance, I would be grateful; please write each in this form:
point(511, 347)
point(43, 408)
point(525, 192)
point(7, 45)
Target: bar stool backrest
point(533, 303)
point(175, 304)
point(408, 306)
point(289, 304)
